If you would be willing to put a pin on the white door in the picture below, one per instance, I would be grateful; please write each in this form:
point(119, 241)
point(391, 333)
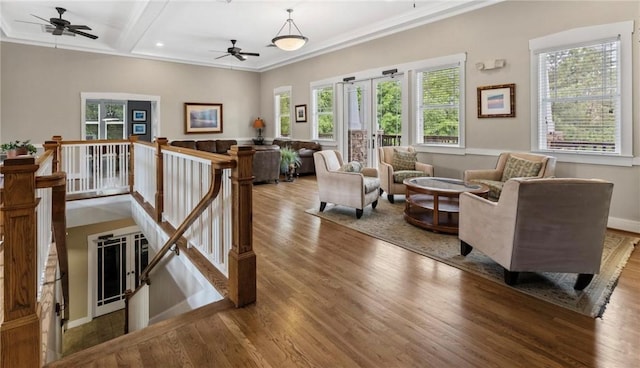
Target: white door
point(117, 259)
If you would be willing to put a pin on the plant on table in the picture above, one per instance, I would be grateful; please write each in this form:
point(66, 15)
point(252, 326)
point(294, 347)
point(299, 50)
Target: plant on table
point(18, 147)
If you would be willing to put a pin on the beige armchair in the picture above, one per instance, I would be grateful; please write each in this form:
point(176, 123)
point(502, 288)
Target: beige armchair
point(540, 225)
point(338, 186)
point(512, 165)
point(391, 179)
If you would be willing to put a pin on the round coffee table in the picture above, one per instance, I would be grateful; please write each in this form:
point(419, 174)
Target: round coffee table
point(432, 203)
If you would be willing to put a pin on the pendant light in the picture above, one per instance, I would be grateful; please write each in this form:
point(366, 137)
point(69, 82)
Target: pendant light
point(289, 42)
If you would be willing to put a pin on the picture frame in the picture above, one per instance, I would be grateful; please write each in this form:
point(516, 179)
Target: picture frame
point(301, 113)
point(498, 101)
point(139, 129)
point(202, 118)
point(139, 115)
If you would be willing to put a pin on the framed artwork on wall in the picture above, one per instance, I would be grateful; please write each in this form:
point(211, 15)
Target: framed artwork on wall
point(497, 101)
point(139, 115)
point(202, 117)
point(140, 129)
point(301, 113)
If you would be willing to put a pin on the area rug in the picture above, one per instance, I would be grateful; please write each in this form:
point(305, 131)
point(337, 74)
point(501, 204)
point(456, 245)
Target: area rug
point(386, 222)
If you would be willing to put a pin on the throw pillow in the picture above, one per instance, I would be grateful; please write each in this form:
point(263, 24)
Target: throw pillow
point(353, 166)
point(403, 160)
point(399, 176)
point(520, 168)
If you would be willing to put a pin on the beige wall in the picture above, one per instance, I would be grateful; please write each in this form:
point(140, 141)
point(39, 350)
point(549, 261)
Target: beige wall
point(78, 263)
point(500, 31)
point(45, 86)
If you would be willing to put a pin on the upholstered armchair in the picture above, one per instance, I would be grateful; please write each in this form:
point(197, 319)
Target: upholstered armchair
point(394, 168)
point(344, 184)
point(540, 225)
point(512, 165)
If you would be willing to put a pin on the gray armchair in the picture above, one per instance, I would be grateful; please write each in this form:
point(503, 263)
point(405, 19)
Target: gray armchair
point(540, 225)
point(391, 180)
point(351, 189)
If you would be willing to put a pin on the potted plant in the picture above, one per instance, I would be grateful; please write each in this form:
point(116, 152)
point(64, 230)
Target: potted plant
point(289, 161)
point(18, 147)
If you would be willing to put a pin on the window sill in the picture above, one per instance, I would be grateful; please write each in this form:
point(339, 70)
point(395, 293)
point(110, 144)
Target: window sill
point(448, 150)
point(589, 158)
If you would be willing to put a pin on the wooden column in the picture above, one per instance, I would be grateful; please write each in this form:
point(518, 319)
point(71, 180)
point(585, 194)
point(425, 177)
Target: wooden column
point(132, 161)
point(20, 330)
point(242, 259)
point(160, 178)
point(58, 140)
point(54, 146)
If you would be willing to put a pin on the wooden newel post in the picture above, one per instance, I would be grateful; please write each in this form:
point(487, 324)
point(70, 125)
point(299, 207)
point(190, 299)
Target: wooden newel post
point(160, 178)
point(20, 330)
point(53, 146)
point(242, 259)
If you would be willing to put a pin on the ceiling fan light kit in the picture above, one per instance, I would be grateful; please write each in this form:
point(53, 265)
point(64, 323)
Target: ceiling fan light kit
point(290, 41)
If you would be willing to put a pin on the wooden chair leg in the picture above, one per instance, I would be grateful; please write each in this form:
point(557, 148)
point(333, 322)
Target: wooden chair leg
point(584, 279)
point(359, 213)
point(322, 206)
point(380, 191)
point(390, 198)
point(374, 203)
point(510, 278)
point(465, 248)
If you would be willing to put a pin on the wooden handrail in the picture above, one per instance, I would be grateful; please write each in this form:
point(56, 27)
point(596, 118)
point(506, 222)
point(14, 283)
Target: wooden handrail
point(214, 190)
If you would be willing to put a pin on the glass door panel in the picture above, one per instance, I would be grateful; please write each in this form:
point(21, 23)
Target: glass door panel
point(388, 111)
point(358, 121)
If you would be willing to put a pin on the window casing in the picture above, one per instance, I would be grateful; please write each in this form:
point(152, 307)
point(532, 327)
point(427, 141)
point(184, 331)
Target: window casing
point(105, 119)
point(581, 92)
point(440, 105)
point(323, 112)
point(282, 108)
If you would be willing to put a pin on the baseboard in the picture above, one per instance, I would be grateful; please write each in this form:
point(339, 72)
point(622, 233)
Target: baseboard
point(78, 322)
point(624, 224)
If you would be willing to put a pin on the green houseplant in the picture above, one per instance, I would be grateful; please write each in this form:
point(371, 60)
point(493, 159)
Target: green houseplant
point(289, 161)
point(18, 147)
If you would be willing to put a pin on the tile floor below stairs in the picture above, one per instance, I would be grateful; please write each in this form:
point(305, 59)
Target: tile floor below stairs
point(101, 329)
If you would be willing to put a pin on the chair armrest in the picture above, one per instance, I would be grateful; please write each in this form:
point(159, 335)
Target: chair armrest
point(489, 174)
point(421, 166)
point(370, 171)
point(342, 179)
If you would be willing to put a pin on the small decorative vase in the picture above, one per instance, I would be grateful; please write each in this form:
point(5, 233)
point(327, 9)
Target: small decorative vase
point(291, 173)
point(12, 153)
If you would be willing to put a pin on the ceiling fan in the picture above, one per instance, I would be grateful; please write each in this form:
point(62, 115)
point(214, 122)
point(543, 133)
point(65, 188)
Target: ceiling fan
point(236, 51)
point(62, 26)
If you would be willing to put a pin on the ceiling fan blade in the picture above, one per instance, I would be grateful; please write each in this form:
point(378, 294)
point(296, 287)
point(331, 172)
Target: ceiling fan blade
point(250, 53)
point(46, 20)
point(24, 21)
point(74, 26)
point(220, 57)
point(240, 57)
point(58, 31)
point(93, 37)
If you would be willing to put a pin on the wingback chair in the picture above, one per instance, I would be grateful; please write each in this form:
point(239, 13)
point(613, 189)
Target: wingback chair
point(512, 165)
point(394, 168)
point(338, 185)
point(540, 225)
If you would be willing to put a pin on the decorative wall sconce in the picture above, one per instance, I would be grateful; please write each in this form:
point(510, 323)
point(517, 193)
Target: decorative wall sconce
point(491, 64)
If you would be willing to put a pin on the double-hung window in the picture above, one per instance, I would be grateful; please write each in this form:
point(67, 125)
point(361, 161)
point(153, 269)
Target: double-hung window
point(579, 90)
point(440, 105)
point(105, 119)
point(282, 108)
point(323, 112)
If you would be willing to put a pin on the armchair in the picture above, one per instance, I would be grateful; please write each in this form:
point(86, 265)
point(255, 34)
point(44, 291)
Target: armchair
point(512, 165)
point(393, 171)
point(540, 225)
point(352, 189)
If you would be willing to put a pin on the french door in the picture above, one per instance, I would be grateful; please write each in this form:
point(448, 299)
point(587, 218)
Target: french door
point(373, 117)
point(118, 258)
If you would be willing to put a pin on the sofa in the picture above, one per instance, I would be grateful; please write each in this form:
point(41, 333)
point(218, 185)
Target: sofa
point(266, 160)
point(305, 150)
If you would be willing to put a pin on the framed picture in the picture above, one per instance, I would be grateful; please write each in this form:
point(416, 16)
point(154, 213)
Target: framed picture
point(202, 118)
point(497, 101)
point(140, 129)
point(139, 115)
point(301, 113)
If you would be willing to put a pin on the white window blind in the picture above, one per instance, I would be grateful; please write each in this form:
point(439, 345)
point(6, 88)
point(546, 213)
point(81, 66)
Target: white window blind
point(282, 100)
point(439, 105)
point(579, 98)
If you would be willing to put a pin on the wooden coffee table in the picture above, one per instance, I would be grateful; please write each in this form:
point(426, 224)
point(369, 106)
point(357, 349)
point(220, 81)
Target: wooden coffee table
point(432, 203)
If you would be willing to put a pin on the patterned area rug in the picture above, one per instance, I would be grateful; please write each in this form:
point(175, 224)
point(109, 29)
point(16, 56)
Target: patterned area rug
point(386, 222)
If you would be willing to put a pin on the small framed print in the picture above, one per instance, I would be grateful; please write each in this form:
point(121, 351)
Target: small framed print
point(301, 113)
point(139, 129)
point(139, 115)
point(497, 101)
point(202, 117)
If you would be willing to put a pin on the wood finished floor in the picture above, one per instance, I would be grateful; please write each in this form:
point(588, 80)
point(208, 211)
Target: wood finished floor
point(332, 297)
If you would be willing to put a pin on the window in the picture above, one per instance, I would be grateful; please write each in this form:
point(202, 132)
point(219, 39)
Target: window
point(282, 99)
point(105, 119)
point(440, 109)
point(580, 94)
point(323, 115)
